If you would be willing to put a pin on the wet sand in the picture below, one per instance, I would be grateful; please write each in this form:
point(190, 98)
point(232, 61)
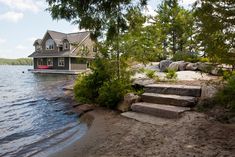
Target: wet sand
point(111, 135)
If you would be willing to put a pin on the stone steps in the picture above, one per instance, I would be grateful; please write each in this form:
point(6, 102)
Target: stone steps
point(165, 101)
point(175, 100)
point(159, 110)
point(146, 118)
point(183, 90)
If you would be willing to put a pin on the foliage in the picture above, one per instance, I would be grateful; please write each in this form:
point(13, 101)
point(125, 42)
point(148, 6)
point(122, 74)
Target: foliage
point(204, 59)
point(112, 92)
point(171, 74)
point(176, 27)
point(140, 40)
point(150, 73)
point(215, 20)
point(226, 97)
point(87, 86)
point(106, 19)
point(187, 57)
point(102, 86)
point(228, 74)
point(20, 61)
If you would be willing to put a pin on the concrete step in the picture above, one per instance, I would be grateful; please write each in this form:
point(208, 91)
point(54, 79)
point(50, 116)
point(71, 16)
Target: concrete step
point(183, 90)
point(176, 100)
point(159, 110)
point(146, 118)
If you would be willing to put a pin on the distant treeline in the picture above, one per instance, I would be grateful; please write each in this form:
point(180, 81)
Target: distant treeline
point(20, 61)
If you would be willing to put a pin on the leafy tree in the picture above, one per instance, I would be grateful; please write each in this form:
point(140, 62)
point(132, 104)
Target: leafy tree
point(140, 41)
point(104, 18)
point(216, 22)
point(176, 26)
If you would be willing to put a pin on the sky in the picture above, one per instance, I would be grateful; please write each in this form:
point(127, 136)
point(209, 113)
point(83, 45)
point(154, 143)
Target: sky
point(24, 21)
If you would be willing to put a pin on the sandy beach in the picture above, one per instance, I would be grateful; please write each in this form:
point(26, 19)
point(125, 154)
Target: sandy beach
point(112, 135)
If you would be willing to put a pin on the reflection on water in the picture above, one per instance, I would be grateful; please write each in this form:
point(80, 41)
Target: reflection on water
point(31, 119)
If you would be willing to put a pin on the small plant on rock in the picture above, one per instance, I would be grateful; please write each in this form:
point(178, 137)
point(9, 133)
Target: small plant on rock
point(171, 74)
point(150, 73)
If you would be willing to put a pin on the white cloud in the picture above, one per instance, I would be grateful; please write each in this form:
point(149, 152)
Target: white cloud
point(12, 16)
point(2, 41)
point(23, 5)
point(21, 47)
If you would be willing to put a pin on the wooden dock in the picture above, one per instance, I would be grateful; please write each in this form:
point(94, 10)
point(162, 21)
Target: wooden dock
point(51, 71)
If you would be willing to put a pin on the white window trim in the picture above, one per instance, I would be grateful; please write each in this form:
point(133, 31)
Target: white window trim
point(48, 48)
point(59, 62)
point(51, 62)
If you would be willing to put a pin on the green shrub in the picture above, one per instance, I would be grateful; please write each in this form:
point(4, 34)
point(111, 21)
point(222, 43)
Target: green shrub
point(226, 97)
point(185, 57)
point(82, 89)
point(87, 86)
point(203, 59)
point(102, 85)
point(171, 74)
point(228, 74)
point(150, 73)
point(112, 92)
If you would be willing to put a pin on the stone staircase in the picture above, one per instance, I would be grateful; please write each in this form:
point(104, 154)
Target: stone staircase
point(167, 101)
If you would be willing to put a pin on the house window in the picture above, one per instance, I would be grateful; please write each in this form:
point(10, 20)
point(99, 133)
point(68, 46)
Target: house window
point(61, 62)
point(37, 47)
point(50, 61)
point(66, 45)
point(40, 61)
point(49, 44)
point(60, 48)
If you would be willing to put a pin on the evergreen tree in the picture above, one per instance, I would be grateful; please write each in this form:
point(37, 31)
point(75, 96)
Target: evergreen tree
point(140, 41)
point(177, 27)
point(216, 22)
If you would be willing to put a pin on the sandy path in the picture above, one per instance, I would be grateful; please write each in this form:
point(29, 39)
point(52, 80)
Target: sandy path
point(112, 135)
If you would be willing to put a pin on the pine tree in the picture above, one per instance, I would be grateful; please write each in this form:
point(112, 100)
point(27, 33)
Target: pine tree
point(216, 22)
point(177, 27)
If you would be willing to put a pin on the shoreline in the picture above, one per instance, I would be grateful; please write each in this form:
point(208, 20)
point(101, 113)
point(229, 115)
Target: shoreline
point(112, 135)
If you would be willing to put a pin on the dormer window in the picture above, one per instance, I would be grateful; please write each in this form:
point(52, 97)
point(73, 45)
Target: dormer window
point(49, 44)
point(37, 47)
point(66, 45)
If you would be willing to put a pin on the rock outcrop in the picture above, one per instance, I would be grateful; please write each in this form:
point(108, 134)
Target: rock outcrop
point(129, 99)
point(164, 64)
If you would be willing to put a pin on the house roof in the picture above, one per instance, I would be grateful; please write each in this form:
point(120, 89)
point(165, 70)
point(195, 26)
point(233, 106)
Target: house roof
point(77, 37)
point(39, 41)
point(60, 54)
point(58, 37)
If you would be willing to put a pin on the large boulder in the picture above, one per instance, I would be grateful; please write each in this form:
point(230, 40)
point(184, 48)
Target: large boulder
point(164, 64)
point(182, 66)
point(128, 100)
point(175, 65)
point(191, 66)
point(204, 67)
point(215, 72)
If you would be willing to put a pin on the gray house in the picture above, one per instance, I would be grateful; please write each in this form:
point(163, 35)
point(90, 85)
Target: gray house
point(60, 51)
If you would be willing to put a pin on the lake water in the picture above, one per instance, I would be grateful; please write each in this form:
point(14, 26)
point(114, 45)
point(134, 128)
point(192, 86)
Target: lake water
point(32, 117)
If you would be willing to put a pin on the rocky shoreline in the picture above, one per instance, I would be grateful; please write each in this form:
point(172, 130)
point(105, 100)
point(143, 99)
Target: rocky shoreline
point(112, 135)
